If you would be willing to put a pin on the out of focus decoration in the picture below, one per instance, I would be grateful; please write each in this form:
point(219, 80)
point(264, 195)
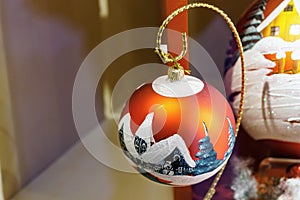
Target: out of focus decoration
point(179, 130)
point(275, 179)
point(270, 33)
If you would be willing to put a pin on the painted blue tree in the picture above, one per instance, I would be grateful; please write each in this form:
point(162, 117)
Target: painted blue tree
point(207, 155)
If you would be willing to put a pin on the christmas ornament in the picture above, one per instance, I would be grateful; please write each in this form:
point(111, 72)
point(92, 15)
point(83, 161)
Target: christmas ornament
point(270, 32)
point(179, 130)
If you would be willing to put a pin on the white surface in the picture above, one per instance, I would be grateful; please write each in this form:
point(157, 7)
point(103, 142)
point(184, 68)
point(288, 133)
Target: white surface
point(188, 86)
point(297, 5)
point(272, 44)
point(78, 176)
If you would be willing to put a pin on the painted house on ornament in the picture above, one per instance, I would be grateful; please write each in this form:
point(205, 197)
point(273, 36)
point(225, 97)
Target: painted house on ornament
point(282, 20)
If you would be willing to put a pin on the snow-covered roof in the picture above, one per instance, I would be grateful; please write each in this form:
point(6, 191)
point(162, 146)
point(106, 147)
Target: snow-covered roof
point(276, 12)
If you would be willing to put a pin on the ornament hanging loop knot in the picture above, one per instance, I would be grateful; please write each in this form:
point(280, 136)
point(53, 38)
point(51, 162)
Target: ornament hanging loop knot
point(176, 72)
point(165, 56)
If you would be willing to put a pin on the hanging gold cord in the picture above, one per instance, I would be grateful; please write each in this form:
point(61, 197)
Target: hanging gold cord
point(166, 57)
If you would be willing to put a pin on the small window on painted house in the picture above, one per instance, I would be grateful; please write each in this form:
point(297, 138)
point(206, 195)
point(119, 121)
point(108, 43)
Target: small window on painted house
point(288, 8)
point(275, 30)
point(295, 29)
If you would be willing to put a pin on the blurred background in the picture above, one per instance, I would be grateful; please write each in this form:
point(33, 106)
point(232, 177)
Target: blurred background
point(42, 45)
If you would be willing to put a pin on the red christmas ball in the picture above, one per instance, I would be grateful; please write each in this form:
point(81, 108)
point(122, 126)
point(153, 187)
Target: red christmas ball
point(177, 132)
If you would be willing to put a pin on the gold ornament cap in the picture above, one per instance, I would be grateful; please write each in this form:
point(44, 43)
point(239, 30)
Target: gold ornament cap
point(175, 74)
